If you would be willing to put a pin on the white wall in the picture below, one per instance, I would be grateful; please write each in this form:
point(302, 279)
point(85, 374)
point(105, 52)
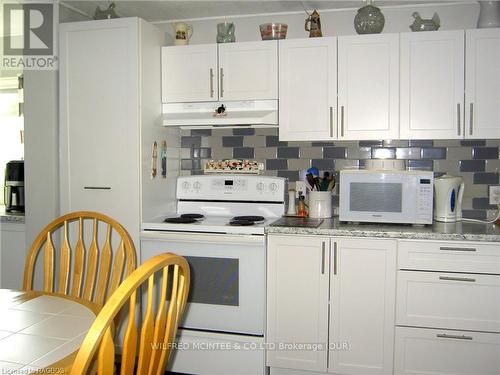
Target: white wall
point(334, 22)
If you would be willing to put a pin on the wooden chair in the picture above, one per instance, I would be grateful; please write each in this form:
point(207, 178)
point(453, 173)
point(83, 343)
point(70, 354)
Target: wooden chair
point(149, 354)
point(95, 272)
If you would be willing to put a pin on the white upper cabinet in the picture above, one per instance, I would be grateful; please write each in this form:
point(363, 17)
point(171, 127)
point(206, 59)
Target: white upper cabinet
point(308, 89)
point(248, 71)
point(189, 73)
point(211, 72)
point(432, 85)
point(482, 83)
point(368, 86)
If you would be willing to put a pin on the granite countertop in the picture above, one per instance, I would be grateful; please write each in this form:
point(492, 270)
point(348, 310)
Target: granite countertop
point(7, 217)
point(438, 231)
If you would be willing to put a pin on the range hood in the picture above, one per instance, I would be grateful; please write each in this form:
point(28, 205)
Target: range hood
point(259, 113)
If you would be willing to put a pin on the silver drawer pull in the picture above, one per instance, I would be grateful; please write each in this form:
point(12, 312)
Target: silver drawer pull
point(447, 248)
point(468, 279)
point(458, 337)
point(97, 188)
point(323, 258)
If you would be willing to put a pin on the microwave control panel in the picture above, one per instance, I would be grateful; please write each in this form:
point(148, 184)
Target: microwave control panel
point(425, 189)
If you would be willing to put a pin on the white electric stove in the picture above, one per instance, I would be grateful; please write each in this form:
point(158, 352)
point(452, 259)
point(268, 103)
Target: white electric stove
point(219, 228)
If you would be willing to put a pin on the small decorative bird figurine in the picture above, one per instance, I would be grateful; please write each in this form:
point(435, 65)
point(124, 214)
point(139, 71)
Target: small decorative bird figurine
point(421, 24)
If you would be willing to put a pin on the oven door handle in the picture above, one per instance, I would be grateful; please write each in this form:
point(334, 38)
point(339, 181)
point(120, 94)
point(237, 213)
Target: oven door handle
point(205, 237)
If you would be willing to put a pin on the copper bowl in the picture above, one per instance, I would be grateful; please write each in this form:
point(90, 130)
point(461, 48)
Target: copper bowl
point(273, 31)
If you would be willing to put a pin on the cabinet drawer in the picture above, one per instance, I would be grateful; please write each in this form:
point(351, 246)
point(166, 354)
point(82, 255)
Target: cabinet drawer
point(457, 256)
point(448, 300)
point(430, 351)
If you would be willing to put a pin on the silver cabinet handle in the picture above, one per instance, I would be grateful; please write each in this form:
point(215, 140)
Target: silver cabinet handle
point(221, 82)
point(97, 187)
point(331, 122)
point(448, 248)
point(471, 119)
point(211, 83)
point(335, 258)
point(458, 337)
point(322, 258)
point(448, 278)
point(458, 119)
point(342, 121)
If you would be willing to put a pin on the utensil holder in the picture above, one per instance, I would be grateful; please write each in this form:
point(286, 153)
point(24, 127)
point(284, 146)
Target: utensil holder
point(320, 204)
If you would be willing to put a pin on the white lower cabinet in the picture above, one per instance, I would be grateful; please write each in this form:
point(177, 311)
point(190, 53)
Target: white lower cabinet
point(12, 255)
point(448, 309)
point(330, 305)
point(422, 351)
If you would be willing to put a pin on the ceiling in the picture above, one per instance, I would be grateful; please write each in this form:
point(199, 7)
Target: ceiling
point(176, 10)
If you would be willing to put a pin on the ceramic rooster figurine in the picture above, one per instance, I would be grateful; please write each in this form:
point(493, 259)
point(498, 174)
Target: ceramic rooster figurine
point(421, 24)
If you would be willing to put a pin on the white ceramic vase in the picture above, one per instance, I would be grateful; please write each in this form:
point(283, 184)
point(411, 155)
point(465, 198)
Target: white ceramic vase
point(489, 14)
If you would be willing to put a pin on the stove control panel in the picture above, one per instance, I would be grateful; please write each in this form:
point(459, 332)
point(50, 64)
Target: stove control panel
point(231, 188)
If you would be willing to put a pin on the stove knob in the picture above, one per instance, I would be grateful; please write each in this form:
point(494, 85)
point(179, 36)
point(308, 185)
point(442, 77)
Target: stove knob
point(273, 187)
point(197, 185)
point(260, 186)
point(186, 185)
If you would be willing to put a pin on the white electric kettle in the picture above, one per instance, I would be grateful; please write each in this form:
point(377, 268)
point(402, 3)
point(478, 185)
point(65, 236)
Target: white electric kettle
point(449, 192)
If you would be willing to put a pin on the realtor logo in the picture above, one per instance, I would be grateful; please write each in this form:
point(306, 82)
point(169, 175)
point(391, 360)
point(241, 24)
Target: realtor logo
point(28, 36)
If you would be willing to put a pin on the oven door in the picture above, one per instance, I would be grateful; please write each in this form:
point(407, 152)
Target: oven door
point(227, 291)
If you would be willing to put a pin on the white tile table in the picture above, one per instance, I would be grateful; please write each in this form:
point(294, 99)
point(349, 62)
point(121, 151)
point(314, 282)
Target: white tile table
point(40, 330)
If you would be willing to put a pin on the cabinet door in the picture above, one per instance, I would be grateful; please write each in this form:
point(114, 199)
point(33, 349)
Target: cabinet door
point(422, 351)
point(12, 255)
point(432, 85)
point(482, 83)
point(189, 73)
point(368, 97)
point(308, 89)
point(362, 298)
point(297, 301)
point(248, 71)
point(99, 103)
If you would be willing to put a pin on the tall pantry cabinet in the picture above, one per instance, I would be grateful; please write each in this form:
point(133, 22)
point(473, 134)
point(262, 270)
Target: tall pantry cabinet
point(109, 101)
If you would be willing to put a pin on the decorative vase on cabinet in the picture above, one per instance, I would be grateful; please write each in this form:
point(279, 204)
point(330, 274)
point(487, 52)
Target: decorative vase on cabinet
point(489, 14)
point(369, 19)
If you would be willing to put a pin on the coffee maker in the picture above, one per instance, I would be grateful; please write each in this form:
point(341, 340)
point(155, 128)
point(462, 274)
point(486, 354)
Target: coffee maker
point(14, 186)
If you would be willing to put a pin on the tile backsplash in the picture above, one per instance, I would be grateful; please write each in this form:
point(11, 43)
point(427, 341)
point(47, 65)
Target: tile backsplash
point(477, 161)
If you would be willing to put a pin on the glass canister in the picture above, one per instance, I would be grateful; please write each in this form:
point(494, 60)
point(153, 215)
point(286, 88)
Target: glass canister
point(369, 19)
point(225, 32)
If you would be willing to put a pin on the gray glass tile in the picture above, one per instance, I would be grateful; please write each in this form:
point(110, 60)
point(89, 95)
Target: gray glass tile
point(335, 152)
point(291, 175)
point(323, 164)
point(243, 153)
point(490, 178)
point(359, 153)
point(472, 165)
point(235, 141)
point(201, 153)
point(474, 214)
point(273, 141)
point(408, 153)
point(371, 143)
point(420, 165)
point(244, 131)
point(187, 164)
point(197, 172)
point(288, 152)
point(191, 141)
point(420, 143)
point(322, 144)
point(433, 153)
point(485, 153)
point(473, 142)
point(205, 132)
point(276, 164)
point(482, 203)
point(383, 153)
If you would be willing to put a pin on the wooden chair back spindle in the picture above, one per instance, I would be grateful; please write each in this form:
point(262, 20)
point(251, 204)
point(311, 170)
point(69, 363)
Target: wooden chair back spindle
point(82, 273)
point(148, 352)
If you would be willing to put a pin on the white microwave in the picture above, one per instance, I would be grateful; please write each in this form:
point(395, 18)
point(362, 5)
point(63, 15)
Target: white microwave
point(403, 197)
